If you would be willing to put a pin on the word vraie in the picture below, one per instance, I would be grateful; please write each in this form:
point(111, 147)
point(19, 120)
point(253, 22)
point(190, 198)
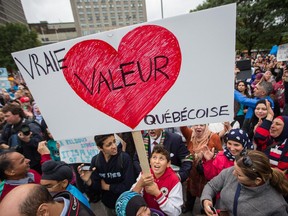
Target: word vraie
point(128, 83)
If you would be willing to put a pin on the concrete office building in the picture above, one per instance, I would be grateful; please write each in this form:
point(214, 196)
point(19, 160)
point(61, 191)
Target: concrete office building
point(93, 16)
point(11, 11)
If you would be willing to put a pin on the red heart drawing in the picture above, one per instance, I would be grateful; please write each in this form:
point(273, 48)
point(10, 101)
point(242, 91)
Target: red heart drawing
point(126, 85)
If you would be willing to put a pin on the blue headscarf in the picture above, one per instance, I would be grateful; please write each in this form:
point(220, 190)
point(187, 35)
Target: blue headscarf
point(240, 136)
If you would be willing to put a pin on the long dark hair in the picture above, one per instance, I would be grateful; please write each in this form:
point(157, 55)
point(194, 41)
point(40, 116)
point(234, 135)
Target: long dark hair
point(254, 120)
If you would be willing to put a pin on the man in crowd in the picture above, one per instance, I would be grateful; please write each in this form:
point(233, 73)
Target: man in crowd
point(261, 91)
point(21, 134)
point(33, 199)
point(56, 177)
point(15, 170)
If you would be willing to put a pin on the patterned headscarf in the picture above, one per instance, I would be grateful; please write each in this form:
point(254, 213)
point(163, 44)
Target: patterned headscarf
point(240, 136)
point(129, 203)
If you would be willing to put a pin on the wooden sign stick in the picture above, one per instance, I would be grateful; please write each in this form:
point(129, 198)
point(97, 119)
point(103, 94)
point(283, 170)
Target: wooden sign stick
point(142, 155)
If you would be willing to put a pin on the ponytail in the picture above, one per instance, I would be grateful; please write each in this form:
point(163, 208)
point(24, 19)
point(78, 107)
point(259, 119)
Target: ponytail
point(279, 181)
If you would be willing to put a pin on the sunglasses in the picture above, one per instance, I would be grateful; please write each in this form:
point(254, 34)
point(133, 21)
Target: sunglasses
point(247, 160)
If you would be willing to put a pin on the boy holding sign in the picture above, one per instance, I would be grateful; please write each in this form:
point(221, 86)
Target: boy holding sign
point(162, 190)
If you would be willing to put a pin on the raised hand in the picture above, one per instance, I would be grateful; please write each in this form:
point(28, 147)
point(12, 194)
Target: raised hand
point(207, 153)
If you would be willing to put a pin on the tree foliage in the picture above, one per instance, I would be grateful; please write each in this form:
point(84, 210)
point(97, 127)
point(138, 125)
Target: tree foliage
point(15, 37)
point(260, 23)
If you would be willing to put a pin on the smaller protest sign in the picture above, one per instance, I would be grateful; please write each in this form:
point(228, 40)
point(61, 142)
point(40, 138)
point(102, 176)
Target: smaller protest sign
point(79, 150)
point(282, 53)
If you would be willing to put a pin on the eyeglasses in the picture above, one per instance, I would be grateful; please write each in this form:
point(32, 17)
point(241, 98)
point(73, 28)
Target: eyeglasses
point(52, 186)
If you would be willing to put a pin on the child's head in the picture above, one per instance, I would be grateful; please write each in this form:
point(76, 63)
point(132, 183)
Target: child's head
point(160, 160)
point(107, 144)
point(99, 139)
point(159, 149)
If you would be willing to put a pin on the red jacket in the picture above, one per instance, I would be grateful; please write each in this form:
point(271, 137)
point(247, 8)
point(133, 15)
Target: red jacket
point(214, 166)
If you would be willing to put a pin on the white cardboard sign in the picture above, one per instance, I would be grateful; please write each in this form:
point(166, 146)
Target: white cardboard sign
point(167, 73)
point(282, 52)
point(79, 150)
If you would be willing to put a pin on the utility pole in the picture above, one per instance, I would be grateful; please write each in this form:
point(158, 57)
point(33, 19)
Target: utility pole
point(162, 9)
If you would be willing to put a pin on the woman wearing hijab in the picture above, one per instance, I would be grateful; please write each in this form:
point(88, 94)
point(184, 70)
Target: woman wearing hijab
point(236, 141)
point(271, 138)
point(198, 137)
point(260, 113)
point(131, 203)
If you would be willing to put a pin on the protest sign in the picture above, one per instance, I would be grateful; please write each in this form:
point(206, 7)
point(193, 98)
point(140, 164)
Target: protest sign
point(80, 150)
point(4, 82)
point(172, 72)
point(282, 53)
point(245, 69)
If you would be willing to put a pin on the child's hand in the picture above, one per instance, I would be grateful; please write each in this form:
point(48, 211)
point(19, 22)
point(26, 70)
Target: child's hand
point(153, 189)
point(146, 180)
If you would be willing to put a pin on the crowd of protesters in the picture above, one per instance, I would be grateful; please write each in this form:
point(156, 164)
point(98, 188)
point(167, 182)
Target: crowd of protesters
point(229, 171)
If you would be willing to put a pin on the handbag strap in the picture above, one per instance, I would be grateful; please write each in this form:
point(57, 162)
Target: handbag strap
point(237, 193)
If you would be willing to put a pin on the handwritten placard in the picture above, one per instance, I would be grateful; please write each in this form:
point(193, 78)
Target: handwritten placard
point(172, 72)
point(79, 150)
point(4, 82)
point(282, 53)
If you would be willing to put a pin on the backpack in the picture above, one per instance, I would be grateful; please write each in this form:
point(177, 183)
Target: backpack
point(75, 206)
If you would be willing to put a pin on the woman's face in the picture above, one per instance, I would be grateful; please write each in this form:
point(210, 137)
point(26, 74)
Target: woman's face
point(261, 111)
point(276, 127)
point(267, 75)
point(243, 179)
point(199, 130)
point(234, 147)
point(241, 87)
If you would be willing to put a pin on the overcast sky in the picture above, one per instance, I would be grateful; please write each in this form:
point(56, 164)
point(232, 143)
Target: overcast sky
point(55, 11)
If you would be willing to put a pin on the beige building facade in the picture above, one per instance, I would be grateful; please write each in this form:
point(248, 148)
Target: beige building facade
point(93, 16)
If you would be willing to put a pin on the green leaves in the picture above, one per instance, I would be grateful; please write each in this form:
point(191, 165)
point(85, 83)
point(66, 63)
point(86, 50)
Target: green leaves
point(15, 37)
point(260, 23)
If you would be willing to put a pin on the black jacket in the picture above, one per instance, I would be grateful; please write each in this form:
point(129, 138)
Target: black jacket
point(10, 137)
point(117, 172)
